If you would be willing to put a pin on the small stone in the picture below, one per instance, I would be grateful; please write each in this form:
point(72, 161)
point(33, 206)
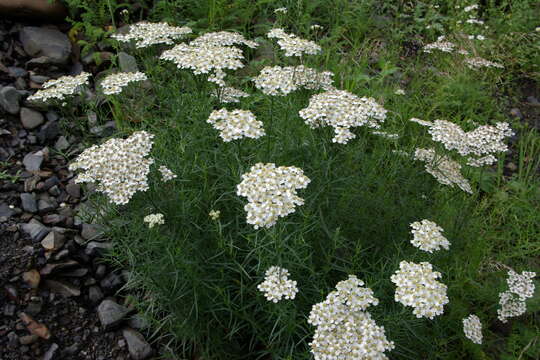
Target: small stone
point(137, 322)
point(50, 43)
point(111, 313)
point(100, 271)
point(533, 101)
point(74, 190)
point(112, 282)
point(95, 247)
point(138, 347)
point(17, 71)
point(127, 62)
point(36, 230)
point(32, 162)
point(95, 294)
point(28, 339)
point(61, 144)
point(75, 273)
point(31, 119)
point(6, 211)
point(515, 112)
point(12, 293)
point(32, 278)
point(53, 219)
point(45, 206)
point(9, 309)
point(49, 131)
point(62, 288)
point(52, 353)
point(53, 241)
point(92, 231)
point(9, 99)
point(56, 267)
point(35, 327)
point(39, 79)
point(28, 202)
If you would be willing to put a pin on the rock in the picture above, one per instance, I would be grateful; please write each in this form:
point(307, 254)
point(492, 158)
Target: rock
point(137, 322)
point(92, 231)
point(53, 241)
point(61, 144)
point(32, 278)
point(112, 282)
point(6, 211)
point(34, 9)
point(32, 162)
point(46, 205)
point(52, 353)
point(12, 293)
point(35, 327)
point(515, 112)
point(17, 71)
point(28, 202)
point(50, 43)
point(95, 294)
point(80, 272)
point(39, 79)
point(28, 339)
point(36, 230)
point(533, 101)
point(138, 347)
point(53, 219)
point(31, 119)
point(9, 99)
point(127, 62)
point(56, 267)
point(49, 131)
point(95, 247)
point(62, 288)
point(111, 313)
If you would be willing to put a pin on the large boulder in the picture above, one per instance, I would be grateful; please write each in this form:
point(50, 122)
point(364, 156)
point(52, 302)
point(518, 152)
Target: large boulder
point(50, 11)
point(47, 43)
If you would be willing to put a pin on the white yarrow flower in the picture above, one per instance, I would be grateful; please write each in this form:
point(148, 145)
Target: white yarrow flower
point(236, 124)
point(166, 173)
point(146, 34)
point(472, 327)
point(114, 83)
point(277, 285)
point(154, 219)
point(60, 88)
point(293, 45)
point(427, 236)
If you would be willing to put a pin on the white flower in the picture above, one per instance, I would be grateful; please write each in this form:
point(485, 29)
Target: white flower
point(512, 301)
point(399, 92)
point(440, 44)
point(478, 62)
point(154, 219)
point(315, 27)
point(146, 34)
point(417, 287)
point(474, 21)
point(277, 285)
point(342, 110)
point(114, 83)
point(442, 168)
point(223, 38)
point(427, 236)
point(206, 58)
point(281, 10)
point(166, 173)
point(421, 122)
point(480, 37)
point(344, 329)
point(386, 135)
point(472, 327)
point(271, 192)
point(119, 167)
point(470, 7)
point(277, 80)
point(236, 124)
point(60, 88)
point(293, 45)
point(214, 214)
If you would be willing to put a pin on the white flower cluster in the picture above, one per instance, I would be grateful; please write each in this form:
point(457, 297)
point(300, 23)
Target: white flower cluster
point(166, 173)
point(154, 219)
point(470, 7)
point(271, 192)
point(442, 168)
point(114, 83)
point(399, 92)
point(481, 142)
point(417, 286)
point(277, 80)
point(236, 124)
point(342, 110)
point(472, 327)
point(282, 10)
point(293, 45)
point(427, 236)
point(478, 62)
point(474, 21)
point(119, 166)
point(214, 214)
point(223, 38)
point(277, 285)
point(227, 94)
point(440, 44)
point(61, 87)
point(206, 58)
point(344, 330)
point(146, 34)
point(512, 301)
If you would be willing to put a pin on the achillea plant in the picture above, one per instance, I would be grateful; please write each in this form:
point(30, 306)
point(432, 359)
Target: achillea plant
point(146, 34)
point(119, 167)
point(428, 236)
point(114, 83)
point(281, 81)
point(60, 88)
point(277, 285)
point(236, 124)
point(512, 301)
point(293, 45)
point(472, 328)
